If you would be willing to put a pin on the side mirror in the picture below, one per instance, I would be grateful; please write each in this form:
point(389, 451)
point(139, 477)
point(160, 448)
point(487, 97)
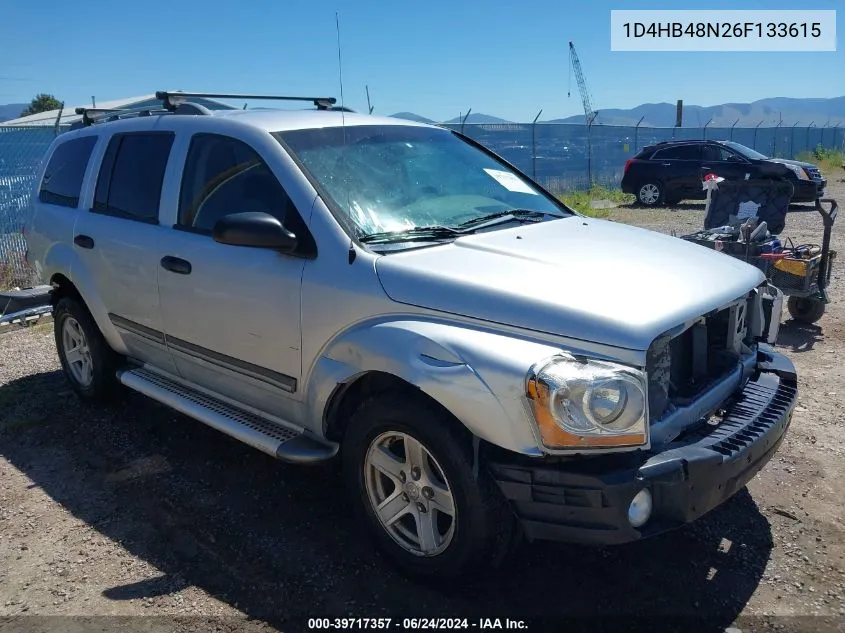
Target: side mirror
point(255, 229)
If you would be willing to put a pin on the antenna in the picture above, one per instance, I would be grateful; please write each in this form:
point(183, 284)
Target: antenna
point(351, 257)
point(340, 69)
point(369, 106)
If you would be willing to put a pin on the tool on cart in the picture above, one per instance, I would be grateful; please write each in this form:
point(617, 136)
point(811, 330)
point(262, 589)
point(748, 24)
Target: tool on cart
point(744, 219)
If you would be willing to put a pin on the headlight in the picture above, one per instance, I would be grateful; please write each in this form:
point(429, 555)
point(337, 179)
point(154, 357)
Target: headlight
point(580, 404)
point(798, 171)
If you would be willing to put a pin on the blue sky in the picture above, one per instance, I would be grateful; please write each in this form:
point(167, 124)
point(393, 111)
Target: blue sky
point(435, 58)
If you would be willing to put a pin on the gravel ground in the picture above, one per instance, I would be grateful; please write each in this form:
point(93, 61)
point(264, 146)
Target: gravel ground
point(132, 510)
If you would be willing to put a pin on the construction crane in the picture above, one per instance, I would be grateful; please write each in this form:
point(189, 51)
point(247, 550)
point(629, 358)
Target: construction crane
point(589, 113)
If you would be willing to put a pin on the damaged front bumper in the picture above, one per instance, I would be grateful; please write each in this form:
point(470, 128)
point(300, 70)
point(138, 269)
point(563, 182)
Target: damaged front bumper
point(587, 500)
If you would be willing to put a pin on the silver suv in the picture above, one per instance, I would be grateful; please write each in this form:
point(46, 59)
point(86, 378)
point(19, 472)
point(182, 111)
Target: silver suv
point(485, 363)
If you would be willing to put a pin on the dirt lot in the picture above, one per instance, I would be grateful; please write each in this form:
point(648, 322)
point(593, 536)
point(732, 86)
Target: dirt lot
point(136, 511)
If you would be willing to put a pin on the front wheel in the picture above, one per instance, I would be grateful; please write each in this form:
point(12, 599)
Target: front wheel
point(650, 194)
point(410, 474)
point(805, 310)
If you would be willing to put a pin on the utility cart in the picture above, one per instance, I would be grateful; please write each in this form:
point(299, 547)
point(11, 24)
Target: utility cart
point(744, 219)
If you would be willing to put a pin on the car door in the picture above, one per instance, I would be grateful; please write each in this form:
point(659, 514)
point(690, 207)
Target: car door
point(680, 166)
point(231, 313)
point(723, 162)
point(117, 240)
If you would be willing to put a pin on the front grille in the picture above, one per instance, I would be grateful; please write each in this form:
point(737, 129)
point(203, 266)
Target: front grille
point(679, 368)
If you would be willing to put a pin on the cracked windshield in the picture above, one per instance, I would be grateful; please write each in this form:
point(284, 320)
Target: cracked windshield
point(395, 179)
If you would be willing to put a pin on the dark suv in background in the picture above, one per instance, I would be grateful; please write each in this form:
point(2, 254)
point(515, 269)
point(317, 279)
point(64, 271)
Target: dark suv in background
point(671, 171)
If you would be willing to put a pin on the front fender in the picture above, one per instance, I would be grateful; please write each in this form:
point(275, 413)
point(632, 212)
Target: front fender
point(478, 375)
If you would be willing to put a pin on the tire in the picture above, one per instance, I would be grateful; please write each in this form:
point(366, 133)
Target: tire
point(88, 362)
point(481, 529)
point(805, 310)
point(650, 194)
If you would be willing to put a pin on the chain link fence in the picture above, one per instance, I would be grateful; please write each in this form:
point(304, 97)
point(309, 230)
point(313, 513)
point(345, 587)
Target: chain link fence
point(21, 152)
point(562, 157)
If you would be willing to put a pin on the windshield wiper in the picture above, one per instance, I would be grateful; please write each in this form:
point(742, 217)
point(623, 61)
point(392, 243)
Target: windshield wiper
point(503, 216)
point(440, 232)
point(417, 233)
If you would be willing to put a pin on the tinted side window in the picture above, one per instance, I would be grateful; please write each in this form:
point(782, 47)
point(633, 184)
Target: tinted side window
point(716, 153)
point(131, 177)
point(224, 175)
point(62, 182)
point(678, 152)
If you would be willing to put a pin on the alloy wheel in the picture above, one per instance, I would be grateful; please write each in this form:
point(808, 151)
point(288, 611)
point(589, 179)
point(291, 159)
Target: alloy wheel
point(77, 353)
point(410, 494)
point(649, 194)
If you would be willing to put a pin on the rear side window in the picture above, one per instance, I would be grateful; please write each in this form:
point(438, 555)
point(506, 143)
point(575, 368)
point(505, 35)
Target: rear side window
point(62, 182)
point(678, 152)
point(131, 176)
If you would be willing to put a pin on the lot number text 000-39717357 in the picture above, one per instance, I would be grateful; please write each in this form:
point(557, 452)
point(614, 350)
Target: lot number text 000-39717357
point(723, 30)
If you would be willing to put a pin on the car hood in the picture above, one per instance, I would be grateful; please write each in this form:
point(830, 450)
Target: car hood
point(786, 161)
point(576, 277)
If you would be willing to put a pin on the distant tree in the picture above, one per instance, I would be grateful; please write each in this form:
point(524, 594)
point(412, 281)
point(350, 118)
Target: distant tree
point(42, 103)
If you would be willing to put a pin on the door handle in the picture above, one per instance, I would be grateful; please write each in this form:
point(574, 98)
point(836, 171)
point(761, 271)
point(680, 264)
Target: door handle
point(176, 265)
point(667, 164)
point(83, 241)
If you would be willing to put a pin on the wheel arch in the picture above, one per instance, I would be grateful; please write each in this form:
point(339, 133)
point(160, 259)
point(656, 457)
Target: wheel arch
point(475, 375)
point(77, 288)
point(63, 287)
point(349, 395)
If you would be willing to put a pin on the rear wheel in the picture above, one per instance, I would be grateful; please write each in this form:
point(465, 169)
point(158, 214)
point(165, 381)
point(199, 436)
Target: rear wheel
point(87, 360)
point(410, 474)
point(650, 194)
point(805, 310)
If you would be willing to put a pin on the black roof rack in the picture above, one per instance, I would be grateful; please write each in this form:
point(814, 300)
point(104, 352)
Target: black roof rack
point(178, 103)
point(90, 115)
point(172, 100)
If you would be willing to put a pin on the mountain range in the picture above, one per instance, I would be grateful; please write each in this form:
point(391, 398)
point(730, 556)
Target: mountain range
point(784, 110)
point(788, 111)
point(11, 111)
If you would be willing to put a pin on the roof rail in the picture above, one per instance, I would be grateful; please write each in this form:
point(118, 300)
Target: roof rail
point(86, 113)
point(112, 114)
point(172, 100)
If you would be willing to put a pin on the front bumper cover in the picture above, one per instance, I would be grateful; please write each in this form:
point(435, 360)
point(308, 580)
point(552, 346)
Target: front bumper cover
point(586, 500)
point(808, 190)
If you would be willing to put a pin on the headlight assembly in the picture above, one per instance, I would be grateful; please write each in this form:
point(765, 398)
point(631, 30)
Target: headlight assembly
point(578, 404)
point(798, 171)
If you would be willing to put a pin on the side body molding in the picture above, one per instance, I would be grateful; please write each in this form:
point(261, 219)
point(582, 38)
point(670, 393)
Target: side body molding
point(458, 366)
